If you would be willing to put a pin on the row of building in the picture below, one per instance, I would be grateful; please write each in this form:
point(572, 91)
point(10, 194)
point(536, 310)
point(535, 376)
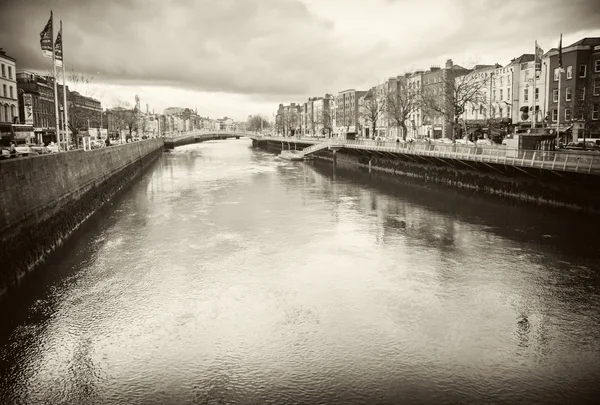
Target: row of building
point(28, 98)
point(514, 96)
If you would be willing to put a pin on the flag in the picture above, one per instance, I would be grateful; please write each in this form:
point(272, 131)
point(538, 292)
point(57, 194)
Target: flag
point(58, 51)
point(538, 57)
point(46, 38)
point(560, 53)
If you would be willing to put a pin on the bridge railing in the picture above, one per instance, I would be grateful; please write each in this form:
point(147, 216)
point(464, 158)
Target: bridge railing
point(188, 134)
point(585, 162)
point(554, 160)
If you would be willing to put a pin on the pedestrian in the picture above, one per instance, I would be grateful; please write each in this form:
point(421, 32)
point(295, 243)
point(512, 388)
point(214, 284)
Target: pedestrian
point(107, 142)
point(12, 150)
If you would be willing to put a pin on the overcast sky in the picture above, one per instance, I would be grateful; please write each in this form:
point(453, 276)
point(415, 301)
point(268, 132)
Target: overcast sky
point(240, 57)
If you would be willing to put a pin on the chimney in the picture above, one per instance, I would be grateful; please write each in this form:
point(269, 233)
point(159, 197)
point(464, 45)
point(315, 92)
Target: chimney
point(449, 64)
point(434, 68)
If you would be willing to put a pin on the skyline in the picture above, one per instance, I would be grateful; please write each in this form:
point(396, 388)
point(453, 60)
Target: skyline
point(264, 52)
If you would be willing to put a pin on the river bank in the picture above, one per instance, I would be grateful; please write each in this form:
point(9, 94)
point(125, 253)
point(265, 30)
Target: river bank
point(45, 198)
point(567, 190)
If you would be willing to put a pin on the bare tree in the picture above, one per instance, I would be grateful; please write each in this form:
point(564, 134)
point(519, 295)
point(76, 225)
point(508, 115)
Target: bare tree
point(280, 123)
point(124, 117)
point(373, 107)
point(450, 97)
point(292, 120)
point(80, 115)
point(314, 120)
point(257, 122)
point(326, 120)
point(401, 102)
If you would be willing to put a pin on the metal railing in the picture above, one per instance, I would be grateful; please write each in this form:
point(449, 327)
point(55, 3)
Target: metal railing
point(586, 162)
point(176, 136)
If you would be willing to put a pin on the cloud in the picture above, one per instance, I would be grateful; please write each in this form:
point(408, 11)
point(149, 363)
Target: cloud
point(235, 46)
point(283, 49)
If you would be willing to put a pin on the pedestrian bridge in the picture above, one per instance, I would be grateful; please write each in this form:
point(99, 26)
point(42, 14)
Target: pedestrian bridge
point(201, 136)
point(457, 155)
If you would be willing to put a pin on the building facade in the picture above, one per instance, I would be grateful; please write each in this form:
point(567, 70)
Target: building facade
point(579, 90)
point(347, 112)
point(440, 88)
point(9, 98)
point(414, 81)
point(42, 88)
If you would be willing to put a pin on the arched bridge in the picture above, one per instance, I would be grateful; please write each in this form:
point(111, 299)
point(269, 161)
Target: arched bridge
point(201, 136)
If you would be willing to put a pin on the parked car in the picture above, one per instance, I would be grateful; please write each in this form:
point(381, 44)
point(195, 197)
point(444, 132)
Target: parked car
point(24, 150)
point(40, 149)
point(4, 153)
point(53, 148)
point(464, 141)
point(484, 142)
point(589, 145)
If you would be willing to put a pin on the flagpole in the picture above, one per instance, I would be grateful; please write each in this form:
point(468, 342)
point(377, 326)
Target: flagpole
point(559, 88)
point(65, 107)
point(56, 116)
point(534, 113)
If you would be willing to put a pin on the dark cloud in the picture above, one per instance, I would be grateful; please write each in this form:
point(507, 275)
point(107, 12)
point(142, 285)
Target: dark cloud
point(269, 48)
point(241, 46)
point(505, 25)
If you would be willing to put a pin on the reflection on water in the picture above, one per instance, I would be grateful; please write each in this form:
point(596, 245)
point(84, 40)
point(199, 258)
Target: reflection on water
point(226, 275)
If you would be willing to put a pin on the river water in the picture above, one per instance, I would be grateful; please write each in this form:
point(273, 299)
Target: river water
point(227, 276)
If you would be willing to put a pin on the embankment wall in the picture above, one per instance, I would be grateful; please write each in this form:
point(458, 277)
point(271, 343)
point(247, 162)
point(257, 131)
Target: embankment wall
point(574, 191)
point(43, 199)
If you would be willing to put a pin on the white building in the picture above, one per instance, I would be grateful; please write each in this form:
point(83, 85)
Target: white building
point(414, 81)
point(9, 104)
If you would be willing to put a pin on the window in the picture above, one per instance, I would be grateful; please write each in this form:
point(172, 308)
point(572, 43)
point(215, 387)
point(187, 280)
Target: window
point(556, 74)
point(597, 65)
point(537, 94)
point(595, 111)
point(4, 90)
point(10, 72)
point(567, 114)
point(493, 94)
point(554, 115)
point(500, 111)
point(501, 95)
point(501, 81)
point(11, 91)
point(3, 72)
point(596, 87)
point(508, 111)
point(555, 95)
point(582, 69)
point(526, 95)
point(568, 94)
point(569, 72)
point(508, 94)
point(582, 93)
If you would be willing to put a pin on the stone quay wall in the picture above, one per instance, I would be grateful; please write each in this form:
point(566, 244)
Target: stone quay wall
point(43, 199)
point(568, 190)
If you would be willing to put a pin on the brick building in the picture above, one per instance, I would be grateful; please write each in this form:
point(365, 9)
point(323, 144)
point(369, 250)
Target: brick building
point(579, 92)
point(42, 90)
